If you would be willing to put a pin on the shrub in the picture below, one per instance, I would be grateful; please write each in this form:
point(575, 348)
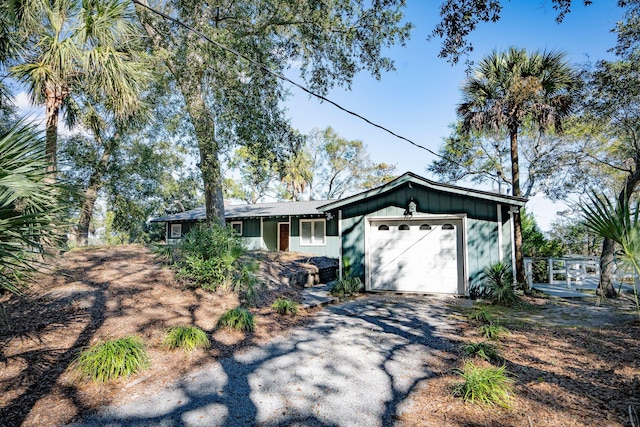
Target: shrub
point(209, 257)
point(113, 359)
point(482, 314)
point(348, 284)
point(493, 331)
point(483, 350)
point(187, 338)
point(498, 279)
point(164, 253)
point(484, 385)
point(285, 306)
point(238, 318)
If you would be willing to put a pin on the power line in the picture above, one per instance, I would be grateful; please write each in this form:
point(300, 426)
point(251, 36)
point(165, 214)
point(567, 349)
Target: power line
point(284, 78)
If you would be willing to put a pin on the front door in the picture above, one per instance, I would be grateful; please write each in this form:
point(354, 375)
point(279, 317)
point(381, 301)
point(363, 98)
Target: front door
point(283, 236)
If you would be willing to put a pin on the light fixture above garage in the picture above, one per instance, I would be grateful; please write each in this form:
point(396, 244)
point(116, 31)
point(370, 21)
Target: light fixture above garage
point(411, 208)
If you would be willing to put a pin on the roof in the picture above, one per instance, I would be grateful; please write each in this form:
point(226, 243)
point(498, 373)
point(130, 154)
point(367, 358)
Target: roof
point(410, 177)
point(256, 210)
point(317, 207)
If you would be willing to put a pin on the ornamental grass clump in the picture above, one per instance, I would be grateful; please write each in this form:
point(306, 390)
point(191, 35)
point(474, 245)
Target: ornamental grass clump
point(238, 318)
point(113, 359)
point(493, 331)
point(483, 350)
point(285, 306)
point(481, 314)
point(485, 386)
point(187, 338)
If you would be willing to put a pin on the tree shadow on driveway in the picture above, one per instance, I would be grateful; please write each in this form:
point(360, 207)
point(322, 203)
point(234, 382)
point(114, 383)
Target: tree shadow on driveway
point(354, 365)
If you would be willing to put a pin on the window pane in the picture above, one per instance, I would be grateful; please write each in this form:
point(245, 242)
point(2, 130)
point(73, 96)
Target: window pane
point(305, 233)
point(318, 233)
point(403, 227)
point(383, 227)
point(237, 227)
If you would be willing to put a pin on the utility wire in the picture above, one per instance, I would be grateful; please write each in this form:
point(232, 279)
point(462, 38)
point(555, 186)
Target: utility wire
point(284, 78)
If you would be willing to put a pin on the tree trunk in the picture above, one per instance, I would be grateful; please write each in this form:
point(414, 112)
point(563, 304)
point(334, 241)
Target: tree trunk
point(607, 268)
point(52, 111)
point(517, 222)
point(189, 75)
point(91, 194)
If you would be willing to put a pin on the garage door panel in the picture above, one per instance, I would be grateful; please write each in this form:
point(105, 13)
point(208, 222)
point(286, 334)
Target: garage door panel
point(422, 258)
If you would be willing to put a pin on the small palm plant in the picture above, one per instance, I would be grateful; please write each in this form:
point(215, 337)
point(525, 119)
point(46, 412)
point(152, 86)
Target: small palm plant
point(621, 224)
point(187, 338)
point(484, 350)
point(113, 359)
point(498, 279)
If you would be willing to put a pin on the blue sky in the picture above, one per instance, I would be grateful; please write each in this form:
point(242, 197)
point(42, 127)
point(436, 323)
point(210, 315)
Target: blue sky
point(419, 99)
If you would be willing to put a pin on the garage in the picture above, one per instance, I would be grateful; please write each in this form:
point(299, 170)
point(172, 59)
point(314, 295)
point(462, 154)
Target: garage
point(422, 255)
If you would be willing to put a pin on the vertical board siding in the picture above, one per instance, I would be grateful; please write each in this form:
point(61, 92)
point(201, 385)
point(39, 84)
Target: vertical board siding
point(481, 230)
point(251, 227)
point(270, 234)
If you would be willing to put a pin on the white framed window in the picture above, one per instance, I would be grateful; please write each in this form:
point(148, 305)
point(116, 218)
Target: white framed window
point(237, 227)
point(176, 231)
point(312, 232)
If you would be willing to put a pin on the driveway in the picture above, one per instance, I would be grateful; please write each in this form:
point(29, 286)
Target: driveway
point(353, 366)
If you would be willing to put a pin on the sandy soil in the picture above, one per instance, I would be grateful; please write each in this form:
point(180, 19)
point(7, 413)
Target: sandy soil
point(103, 293)
point(574, 364)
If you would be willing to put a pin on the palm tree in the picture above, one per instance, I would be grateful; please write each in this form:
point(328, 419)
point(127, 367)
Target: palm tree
point(508, 90)
point(77, 47)
point(28, 205)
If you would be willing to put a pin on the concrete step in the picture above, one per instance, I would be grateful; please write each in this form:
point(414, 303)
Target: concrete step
point(316, 296)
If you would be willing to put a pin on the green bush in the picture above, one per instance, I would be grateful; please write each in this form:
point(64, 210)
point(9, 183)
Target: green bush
point(493, 331)
point(238, 318)
point(209, 258)
point(164, 253)
point(498, 279)
point(484, 385)
point(285, 306)
point(113, 359)
point(187, 338)
point(483, 350)
point(348, 284)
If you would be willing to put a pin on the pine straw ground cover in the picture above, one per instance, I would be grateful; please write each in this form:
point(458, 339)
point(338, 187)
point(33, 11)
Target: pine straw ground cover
point(97, 294)
point(573, 364)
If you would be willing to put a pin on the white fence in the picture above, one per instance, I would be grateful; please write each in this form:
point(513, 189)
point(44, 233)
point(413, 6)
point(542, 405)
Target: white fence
point(569, 271)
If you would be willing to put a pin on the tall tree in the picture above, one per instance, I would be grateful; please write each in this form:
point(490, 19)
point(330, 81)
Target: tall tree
point(511, 87)
point(342, 166)
point(73, 48)
point(329, 41)
point(614, 101)
point(258, 171)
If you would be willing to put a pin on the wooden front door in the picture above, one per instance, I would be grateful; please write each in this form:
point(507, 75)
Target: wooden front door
point(283, 236)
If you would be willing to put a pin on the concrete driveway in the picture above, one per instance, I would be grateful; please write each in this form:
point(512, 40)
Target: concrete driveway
point(353, 366)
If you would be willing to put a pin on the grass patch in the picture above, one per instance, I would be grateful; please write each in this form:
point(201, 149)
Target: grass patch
point(187, 338)
point(493, 331)
point(113, 359)
point(238, 318)
point(484, 350)
point(285, 306)
point(485, 386)
point(481, 314)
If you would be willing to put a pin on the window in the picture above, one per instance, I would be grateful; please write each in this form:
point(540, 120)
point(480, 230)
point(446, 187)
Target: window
point(176, 231)
point(448, 227)
point(403, 227)
point(425, 227)
point(237, 227)
point(383, 227)
point(312, 232)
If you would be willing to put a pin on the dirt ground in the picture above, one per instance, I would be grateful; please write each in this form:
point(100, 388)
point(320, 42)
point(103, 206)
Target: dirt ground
point(103, 293)
point(573, 363)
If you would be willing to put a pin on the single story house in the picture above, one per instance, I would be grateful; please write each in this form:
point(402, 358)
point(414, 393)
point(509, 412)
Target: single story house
point(409, 235)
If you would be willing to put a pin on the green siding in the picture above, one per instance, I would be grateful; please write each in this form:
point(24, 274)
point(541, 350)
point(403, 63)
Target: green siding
point(481, 226)
point(251, 227)
point(331, 248)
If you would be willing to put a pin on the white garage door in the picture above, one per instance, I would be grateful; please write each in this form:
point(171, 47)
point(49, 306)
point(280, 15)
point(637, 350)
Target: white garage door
point(414, 256)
